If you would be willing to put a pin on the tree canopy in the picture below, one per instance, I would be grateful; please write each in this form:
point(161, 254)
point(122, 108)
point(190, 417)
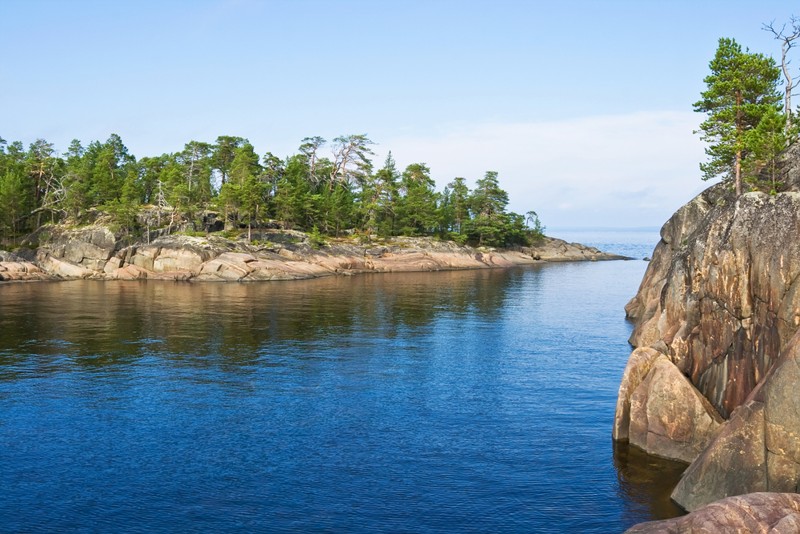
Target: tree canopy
point(306, 191)
point(743, 105)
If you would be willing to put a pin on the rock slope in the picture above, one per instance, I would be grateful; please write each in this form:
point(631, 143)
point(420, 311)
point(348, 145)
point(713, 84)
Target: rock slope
point(94, 252)
point(714, 376)
point(767, 513)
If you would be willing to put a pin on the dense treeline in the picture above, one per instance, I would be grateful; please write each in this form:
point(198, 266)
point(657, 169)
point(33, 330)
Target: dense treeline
point(305, 191)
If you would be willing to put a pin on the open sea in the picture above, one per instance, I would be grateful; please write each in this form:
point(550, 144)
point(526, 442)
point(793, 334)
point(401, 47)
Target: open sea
point(470, 401)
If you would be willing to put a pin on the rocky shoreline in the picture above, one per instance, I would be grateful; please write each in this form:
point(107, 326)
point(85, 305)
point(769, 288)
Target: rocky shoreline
point(713, 377)
point(94, 252)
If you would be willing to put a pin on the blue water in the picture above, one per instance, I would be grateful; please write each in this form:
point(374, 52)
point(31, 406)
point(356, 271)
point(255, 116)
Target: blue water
point(633, 243)
point(477, 401)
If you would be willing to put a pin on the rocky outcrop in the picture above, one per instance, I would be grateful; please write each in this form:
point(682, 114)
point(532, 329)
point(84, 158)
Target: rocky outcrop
point(759, 447)
point(767, 513)
point(93, 252)
point(728, 297)
point(15, 268)
point(87, 248)
point(733, 465)
point(668, 416)
point(714, 377)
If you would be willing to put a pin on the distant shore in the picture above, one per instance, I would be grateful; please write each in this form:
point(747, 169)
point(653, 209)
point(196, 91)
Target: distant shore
point(94, 252)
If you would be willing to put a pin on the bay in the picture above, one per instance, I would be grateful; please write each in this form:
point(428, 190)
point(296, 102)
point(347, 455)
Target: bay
point(467, 401)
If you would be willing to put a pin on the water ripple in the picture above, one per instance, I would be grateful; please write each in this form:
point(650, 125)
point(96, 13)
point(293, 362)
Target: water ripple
point(478, 401)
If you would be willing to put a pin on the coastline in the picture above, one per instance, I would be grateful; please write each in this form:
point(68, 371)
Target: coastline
point(94, 253)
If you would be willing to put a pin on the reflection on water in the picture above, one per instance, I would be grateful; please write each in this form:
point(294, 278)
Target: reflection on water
point(97, 324)
point(646, 482)
point(426, 402)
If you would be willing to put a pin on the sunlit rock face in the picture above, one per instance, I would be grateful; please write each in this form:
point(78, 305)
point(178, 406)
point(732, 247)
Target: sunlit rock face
point(773, 513)
point(93, 252)
point(659, 410)
point(15, 268)
point(720, 305)
point(724, 299)
point(669, 417)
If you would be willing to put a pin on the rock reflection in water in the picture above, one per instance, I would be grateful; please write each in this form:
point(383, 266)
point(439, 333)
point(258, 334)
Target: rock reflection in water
point(646, 482)
point(98, 325)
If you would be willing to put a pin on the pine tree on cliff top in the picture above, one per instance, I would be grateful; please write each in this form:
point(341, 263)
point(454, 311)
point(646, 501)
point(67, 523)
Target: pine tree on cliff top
point(741, 90)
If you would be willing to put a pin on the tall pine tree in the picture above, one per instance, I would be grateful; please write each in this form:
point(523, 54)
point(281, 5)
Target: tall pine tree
point(741, 89)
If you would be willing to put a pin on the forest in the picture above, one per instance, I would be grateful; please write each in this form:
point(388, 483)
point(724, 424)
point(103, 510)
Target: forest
point(327, 188)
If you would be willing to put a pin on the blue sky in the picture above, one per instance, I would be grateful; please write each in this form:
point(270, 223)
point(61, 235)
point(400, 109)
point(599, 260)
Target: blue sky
point(583, 107)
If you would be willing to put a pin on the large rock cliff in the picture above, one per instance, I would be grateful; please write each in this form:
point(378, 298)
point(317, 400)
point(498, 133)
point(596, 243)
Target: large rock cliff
point(714, 377)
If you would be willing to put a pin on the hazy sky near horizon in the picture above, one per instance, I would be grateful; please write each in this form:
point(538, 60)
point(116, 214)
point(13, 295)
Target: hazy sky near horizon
point(583, 107)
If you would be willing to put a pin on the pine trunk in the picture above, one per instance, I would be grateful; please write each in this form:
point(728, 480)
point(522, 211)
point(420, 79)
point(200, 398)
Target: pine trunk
point(738, 172)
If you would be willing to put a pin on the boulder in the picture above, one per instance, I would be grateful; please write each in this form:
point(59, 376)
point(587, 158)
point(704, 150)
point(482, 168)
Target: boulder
point(781, 397)
point(725, 299)
point(178, 259)
point(144, 257)
point(227, 266)
point(733, 464)
point(639, 364)
point(89, 247)
point(63, 269)
point(129, 272)
point(668, 416)
point(768, 513)
point(762, 439)
point(271, 269)
point(553, 250)
point(276, 254)
point(17, 271)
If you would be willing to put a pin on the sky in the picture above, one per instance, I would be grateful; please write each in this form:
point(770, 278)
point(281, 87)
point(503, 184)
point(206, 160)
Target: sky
point(584, 108)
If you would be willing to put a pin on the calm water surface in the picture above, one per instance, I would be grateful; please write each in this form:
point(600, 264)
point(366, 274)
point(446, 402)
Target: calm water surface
point(458, 401)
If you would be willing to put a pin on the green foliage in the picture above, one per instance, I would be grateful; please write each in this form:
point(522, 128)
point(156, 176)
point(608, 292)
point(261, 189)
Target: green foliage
point(503, 230)
point(488, 199)
point(292, 201)
point(16, 191)
point(455, 206)
point(327, 197)
point(459, 238)
point(535, 227)
point(123, 216)
point(491, 225)
point(384, 200)
point(231, 233)
point(741, 91)
point(223, 153)
point(315, 239)
point(417, 207)
point(198, 233)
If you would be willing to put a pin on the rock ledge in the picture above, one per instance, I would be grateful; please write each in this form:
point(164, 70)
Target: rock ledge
point(95, 253)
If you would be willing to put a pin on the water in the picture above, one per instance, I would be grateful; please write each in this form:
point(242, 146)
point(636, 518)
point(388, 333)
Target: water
point(633, 243)
point(457, 401)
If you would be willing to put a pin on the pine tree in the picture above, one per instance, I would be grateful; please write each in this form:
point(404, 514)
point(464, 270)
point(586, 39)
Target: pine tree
point(741, 89)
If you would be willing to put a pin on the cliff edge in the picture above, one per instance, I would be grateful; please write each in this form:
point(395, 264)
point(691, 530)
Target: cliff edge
point(713, 376)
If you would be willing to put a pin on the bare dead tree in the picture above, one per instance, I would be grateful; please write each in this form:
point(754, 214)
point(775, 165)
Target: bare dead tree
point(309, 149)
point(788, 38)
point(55, 194)
point(350, 159)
